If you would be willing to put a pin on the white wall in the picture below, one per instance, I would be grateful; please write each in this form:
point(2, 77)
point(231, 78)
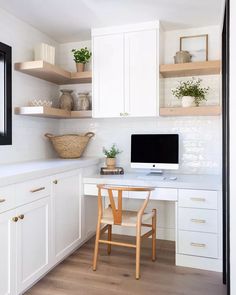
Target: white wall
point(200, 142)
point(28, 141)
point(172, 41)
point(198, 154)
point(232, 145)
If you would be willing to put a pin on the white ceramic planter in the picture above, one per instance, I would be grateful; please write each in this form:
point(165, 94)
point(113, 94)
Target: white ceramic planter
point(187, 101)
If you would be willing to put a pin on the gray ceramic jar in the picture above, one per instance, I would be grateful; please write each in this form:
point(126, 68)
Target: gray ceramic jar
point(66, 100)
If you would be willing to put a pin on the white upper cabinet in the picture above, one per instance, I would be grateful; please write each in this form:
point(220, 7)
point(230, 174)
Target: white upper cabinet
point(141, 73)
point(126, 71)
point(108, 74)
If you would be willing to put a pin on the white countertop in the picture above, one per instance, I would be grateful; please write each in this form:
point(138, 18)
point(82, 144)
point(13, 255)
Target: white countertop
point(18, 172)
point(186, 181)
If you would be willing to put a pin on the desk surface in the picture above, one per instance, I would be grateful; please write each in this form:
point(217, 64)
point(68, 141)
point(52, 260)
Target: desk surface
point(185, 181)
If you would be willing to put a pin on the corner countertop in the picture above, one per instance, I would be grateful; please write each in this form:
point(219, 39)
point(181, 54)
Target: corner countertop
point(23, 171)
point(185, 181)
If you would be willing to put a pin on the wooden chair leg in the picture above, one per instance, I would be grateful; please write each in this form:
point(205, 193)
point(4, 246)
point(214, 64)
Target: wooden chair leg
point(138, 248)
point(95, 258)
point(154, 226)
point(109, 238)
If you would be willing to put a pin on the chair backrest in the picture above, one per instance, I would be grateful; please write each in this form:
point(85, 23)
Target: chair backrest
point(117, 211)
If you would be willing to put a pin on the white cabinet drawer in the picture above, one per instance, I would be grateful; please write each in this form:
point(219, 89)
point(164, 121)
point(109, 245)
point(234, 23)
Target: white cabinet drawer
point(198, 244)
point(167, 194)
point(30, 191)
point(198, 199)
point(197, 220)
point(7, 198)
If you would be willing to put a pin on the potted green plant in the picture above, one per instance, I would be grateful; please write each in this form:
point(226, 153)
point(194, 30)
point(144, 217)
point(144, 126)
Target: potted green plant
point(81, 57)
point(111, 156)
point(190, 92)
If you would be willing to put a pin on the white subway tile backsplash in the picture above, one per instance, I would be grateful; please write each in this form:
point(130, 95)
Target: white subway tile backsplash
point(200, 138)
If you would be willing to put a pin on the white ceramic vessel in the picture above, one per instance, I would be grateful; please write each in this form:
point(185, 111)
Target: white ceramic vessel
point(187, 101)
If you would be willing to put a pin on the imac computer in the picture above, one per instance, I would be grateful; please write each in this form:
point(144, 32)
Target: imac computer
point(155, 151)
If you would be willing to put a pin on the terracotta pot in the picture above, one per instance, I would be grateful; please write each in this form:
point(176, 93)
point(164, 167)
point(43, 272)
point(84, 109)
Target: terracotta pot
point(188, 101)
point(80, 67)
point(111, 163)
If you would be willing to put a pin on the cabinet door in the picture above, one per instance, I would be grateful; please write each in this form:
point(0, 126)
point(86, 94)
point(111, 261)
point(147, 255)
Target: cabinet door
point(108, 75)
point(141, 73)
point(7, 253)
point(66, 211)
point(33, 232)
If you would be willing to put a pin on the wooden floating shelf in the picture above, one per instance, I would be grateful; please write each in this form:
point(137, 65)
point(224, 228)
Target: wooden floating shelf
point(52, 73)
point(191, 69)
point(81, 77)
point(80, 114)
point(191, 111)
point(48, 112)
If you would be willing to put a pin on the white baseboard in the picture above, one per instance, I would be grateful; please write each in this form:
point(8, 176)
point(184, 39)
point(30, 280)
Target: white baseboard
point(199, 262)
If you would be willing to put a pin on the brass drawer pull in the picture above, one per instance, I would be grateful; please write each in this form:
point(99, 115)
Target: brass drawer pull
point(198, 220)
point(2, 200)
point(37, 189)
point(198, 199)
point(22, 216)
point(15, 219)
point(198, 245)
point(55, 181)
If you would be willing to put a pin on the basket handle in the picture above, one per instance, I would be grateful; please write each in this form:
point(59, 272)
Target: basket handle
point(89, 134)
point(48, 135)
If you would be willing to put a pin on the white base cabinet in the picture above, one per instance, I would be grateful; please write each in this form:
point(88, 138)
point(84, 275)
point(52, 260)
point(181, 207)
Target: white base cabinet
point(7, 253)
point(66, 213)
point(32, 241)
point(40, 225)
point(24, 247)
point(198, 230)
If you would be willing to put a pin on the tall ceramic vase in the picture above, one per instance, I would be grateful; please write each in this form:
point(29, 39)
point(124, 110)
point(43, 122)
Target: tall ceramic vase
point(66, 100)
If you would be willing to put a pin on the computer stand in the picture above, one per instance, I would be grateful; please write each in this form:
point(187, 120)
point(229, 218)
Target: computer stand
point(155, 173)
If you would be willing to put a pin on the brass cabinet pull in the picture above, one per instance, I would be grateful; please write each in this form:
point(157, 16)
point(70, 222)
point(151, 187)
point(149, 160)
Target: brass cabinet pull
point(22, 216)
point(15, 219)
point(198, 220)
point(2, 200)
point(121, 114)
point(126, 114)
point(55, 181)
point(198, 199)
point(37, 189)
point(198, 245)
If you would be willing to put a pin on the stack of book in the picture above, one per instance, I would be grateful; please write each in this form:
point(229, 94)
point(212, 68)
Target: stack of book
point(112, 171)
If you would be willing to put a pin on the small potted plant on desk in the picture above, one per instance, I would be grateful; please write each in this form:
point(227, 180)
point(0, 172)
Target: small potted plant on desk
point(81, 57)
point(190, 92)
point(111, 156)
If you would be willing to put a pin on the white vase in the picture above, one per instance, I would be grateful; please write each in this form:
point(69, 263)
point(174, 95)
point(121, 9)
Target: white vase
point(187, 101)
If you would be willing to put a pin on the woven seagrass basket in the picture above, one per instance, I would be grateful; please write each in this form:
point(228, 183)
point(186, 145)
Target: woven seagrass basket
point(70, 146)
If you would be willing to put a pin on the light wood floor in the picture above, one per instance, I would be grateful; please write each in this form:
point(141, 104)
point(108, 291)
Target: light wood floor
point(116, 274)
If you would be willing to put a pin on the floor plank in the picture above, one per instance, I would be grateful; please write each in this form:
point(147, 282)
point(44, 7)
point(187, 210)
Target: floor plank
point(115, 274)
